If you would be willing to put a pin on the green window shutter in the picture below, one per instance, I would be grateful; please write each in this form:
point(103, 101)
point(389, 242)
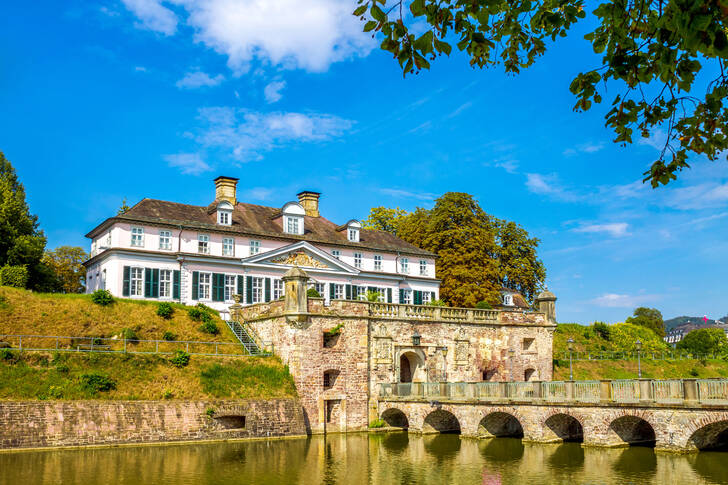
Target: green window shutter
point(401, 296)
point(389, 295)
point(241, 284)
point(354, 292)
point(249, 289)
point(218, 287)
point(126, 284)
point(147, 282)
point(432, 296)
point(267, 289)
point(332, 291)
point(155, 283)
point(417, 297)
point(195, 285)
point(175, 285)
point(348, 292)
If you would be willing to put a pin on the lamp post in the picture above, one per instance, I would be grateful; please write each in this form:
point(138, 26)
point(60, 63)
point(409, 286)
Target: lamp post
point(638, 346)
point(416, 339)
point(444, 362)
point(511, 352)
point(571, 349)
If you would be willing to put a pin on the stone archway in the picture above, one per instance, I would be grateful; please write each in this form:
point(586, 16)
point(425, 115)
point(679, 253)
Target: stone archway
point(500, 424)
point(632, 431)
point(411, 366)
point(713, 436)
point(441, 421)
point(563, 427)
point(395, 418)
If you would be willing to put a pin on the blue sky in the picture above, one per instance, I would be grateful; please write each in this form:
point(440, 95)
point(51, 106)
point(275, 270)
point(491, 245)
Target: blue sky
point(151, 98)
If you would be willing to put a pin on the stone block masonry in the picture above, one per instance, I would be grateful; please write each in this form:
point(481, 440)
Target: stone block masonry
point(35, 424)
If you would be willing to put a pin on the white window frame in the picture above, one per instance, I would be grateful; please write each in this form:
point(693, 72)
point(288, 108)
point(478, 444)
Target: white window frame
point(257, 287)
point(203, 244)
point(137, 237)
point(254, 246)
point(339, 292)
point(406, 296)
point(423, 267)
point(228, 246)
point(204, 286)
point(165, 236)
point(336, 253)
point(507, 300)
point(404, 265)
point(361, 293)
point(353, 234)
point(224, 217)
point(293, 225)
point(279, 289)
point(357, 260)
point(136, 281)
point(230, 286)
point(426, 297)
point(377, 262)
point(165, 283)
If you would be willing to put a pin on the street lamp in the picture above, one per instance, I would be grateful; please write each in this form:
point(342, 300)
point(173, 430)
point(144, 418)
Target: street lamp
point(416, 338)
point(571, 349)
point(511, 352)
point(638, 346)
point(444, 361)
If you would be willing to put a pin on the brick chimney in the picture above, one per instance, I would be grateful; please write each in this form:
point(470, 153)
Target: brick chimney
point(225, 189)
point(310, 202)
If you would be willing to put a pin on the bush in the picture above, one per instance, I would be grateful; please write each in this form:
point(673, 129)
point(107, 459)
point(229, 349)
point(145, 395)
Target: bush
point(210, 412)
point(210, 327)
point(602, 329)
point(206, 318)
point(95, 383)
point(165, 310)
point(372, 296)
point(377, 423)
point(195, 314)
point(129, 334)
point(180, 359)
point(8, 356)
point(704, 341)
point(437, 303)
point(624, 336)
point(169, 336)
point(167, 394)
point(102, 297)
point(312, 293)
point(484, 305)
point(4, 303)
point(16, 276)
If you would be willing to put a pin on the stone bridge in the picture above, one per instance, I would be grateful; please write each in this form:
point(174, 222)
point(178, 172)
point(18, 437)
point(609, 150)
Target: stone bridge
point(680, 415)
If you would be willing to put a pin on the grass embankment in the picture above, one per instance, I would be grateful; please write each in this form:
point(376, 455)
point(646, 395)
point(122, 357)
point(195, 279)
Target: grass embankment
point(68, 376)
point(620, 338)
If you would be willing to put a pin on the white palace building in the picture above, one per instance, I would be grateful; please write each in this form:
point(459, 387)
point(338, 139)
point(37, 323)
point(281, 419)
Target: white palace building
point(169, 251)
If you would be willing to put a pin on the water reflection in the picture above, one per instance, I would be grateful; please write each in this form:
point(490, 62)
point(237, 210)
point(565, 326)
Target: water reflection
point(352, 459)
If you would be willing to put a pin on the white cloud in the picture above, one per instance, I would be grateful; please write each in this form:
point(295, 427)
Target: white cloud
point(247, 133)
point(508, 165)
point(153, 15)
point(614, 300)
point(258, 193)
point(304, 34)
point(405, 194)
point(140, 69)
point(584, 148)
point(700, 196)
point(549, 185)
point(460, 109)
point(199, 79)
point(273, 90)
point(188, 163)
point(614, 229)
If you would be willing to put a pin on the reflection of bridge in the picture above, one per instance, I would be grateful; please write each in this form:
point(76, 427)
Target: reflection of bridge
point(676, 415)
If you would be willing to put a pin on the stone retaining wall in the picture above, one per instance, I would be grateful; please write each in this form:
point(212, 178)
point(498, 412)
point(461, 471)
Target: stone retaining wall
point(31, 424)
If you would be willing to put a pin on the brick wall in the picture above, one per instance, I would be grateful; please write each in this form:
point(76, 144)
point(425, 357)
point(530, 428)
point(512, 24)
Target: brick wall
point(78, 423)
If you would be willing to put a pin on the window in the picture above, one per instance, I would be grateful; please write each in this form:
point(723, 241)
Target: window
point(293, 225)
point(338, 292)
point(361, 293)
point(257, 289)
point(406, 296)
point(203, 244)
point(357, 260)
point(377, 262)
point(136, 279)
point(224, 217)
point(319, 287)
point(528, 344)
point(426, 297)
point(404, 265)
point(336, 253)
point(423, 267)
point(254, 247)
point(165, 239)
point(330, 378)
point(278, 289)
point(353, 234)
point(229, 287)
point(204, 286)
point(165, 283)
point(103, 279)
point(508, 300)
point(137, 237)
point(228, 246)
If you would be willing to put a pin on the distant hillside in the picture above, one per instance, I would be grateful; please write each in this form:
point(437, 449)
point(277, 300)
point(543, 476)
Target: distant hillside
point(674, 322)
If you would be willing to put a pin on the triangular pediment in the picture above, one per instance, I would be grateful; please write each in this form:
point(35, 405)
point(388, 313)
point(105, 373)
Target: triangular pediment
point(301, 254)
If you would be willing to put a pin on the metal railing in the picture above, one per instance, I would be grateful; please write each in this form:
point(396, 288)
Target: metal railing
point(52, 343)
point(632, 355)
point(623, 391)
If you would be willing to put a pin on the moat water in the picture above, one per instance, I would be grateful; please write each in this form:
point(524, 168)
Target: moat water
point(393, 458)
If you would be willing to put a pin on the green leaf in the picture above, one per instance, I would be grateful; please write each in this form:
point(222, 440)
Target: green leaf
point(360, 10)
point(378, 14)
point(369, 25)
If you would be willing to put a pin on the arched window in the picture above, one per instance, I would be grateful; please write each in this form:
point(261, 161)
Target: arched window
point(293, 214)
point(225, 213)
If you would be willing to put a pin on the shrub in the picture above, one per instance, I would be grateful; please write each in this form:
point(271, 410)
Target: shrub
point(602, 329)
point(704, 341)
point(169, 336)
point(8, 356)
point(102, 297)
point(4, 303)
point(373, 296)
point(210, 412)
point(167, 394)
point(484, 305)
point(55, 392)
point(16, 276)
point(210, 327)
point(180, 359)
point(95, 383)
point(165, 310)
point(62, 368)
point(129, 334)
point(437, 303)
point(694, 372)
point(195, 314)
point(312, 293)
point(377, 423)
point(206, 318)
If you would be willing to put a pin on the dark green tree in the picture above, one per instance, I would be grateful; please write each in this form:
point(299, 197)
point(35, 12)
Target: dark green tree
point(123, 208)
point(653, 52)
point(704, 341)
point(66, 263)
point(519, 266)
point(650, 318)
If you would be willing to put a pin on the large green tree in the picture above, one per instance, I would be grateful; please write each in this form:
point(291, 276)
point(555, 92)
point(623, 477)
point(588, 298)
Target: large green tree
point(21, 241)
point(704, 341)
point(477, 254)
point(67, 264)
point(664, 59)
point(650, 318)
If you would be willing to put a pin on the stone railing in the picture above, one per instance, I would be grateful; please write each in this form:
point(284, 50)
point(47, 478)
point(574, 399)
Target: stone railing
point(425, 312)
point(642, 391)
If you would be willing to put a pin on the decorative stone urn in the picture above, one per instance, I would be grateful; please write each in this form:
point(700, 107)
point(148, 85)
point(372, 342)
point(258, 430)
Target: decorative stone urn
point(296, 299)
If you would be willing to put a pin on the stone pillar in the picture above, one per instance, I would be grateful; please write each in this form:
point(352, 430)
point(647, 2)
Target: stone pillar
point(235, 309)
point(296, 299)
point(690, 389)
point(546, 303)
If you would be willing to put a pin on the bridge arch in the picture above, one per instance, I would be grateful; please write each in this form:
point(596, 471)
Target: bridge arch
point(563, 427)
point(395, 418)
point(631, 430)
point(500, 424)
point(441, 421)
point(711, 436)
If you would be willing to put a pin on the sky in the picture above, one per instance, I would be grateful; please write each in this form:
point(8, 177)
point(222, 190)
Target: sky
point(126, 99)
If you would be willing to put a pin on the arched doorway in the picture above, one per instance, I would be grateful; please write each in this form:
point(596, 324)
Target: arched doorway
point(441, 421)
point(633, 430)
point(395, 418)
point(565, 427)
point(411, 367)
point(500, 424)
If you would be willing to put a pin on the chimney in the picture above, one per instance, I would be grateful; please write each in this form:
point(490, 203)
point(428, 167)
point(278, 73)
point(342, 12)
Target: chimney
point(310, 200)
point(225, 189)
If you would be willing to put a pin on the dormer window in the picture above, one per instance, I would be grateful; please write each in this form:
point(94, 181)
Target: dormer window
point(352, 230)
point(507, 300)
point(225, 213)
point(353, 235)
point(293, 214)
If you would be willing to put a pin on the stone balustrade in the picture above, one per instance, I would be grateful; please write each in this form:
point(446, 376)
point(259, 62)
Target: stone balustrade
point(435, 313)
point(686, 392)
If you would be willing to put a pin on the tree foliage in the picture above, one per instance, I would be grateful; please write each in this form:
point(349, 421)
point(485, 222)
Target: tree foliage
point(704, 341)
point(477, 254)
point(67, 264)
point(650, 318)
point(652, 53)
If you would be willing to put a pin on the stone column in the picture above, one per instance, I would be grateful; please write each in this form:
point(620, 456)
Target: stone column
point(296, 299)
point(546, 303)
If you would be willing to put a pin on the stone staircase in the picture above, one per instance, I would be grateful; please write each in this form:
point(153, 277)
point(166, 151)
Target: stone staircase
point(245, 337)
